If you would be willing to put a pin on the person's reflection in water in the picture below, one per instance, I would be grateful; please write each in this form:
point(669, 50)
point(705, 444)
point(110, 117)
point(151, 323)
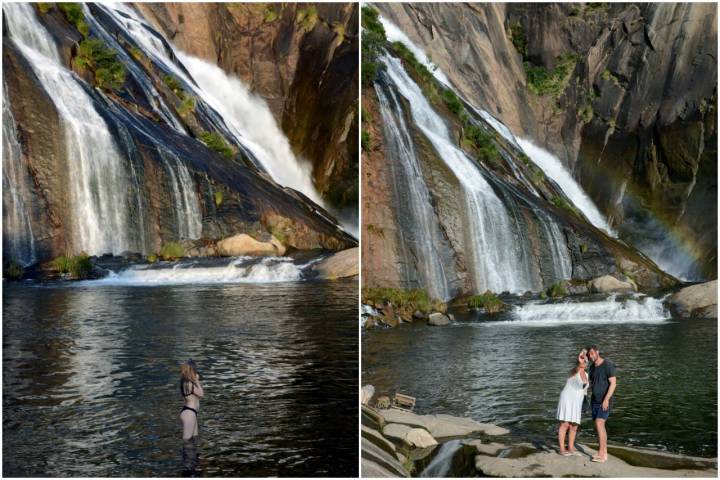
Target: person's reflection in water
point(190, 458)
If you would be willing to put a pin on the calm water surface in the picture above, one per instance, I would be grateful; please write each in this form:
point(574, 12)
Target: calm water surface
point(90, 377)
point(512, 374)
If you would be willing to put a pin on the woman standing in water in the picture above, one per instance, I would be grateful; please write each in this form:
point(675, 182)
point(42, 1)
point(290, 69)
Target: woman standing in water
point(569, 408)
point(192, 392)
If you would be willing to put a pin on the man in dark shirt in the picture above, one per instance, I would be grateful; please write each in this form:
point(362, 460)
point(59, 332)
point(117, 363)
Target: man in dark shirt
point(602, 375)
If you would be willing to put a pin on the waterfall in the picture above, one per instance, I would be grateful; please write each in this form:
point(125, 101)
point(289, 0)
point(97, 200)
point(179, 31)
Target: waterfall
point(246, 116)
point(425, 234)
point(394, 34)
point(188, 219)
point(553, 168)
point(441, 463)
point(18, 239)
point(98, 182)
point(495, 246)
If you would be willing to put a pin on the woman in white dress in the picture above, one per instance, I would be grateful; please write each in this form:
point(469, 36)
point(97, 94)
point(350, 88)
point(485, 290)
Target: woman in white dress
point(569, 407)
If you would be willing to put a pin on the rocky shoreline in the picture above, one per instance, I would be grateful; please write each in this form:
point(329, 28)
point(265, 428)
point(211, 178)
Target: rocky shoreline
point(329, 265)
point(399, 443)
point(392, 307)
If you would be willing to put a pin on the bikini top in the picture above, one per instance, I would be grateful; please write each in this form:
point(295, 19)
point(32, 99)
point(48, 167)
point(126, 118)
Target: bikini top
point(182, 388)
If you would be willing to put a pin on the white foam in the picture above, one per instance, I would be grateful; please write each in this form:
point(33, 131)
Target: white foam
point(238, 270)
point(394, 34)
point(635, 309)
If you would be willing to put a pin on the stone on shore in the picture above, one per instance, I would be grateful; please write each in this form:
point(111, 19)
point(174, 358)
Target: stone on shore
point(381, 458)
point(442, 426)
point(343, 264)
point(243, 244)
point(696, 301)
point(610, 284)
point(420, 438)
point(438, 319)
point(526, 460)
point(367, 392)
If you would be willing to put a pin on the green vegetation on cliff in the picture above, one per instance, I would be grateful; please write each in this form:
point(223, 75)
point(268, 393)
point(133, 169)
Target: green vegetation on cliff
point(216, 142)
point(365, 140)
point(74, 14)
point(373, 40)
point(488, 301)
point(95, 55)
point(411, 299)
point(542, 82)
point(77, 266)
point(172, 251)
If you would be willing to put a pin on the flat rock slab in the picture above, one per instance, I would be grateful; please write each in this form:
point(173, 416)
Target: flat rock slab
point(396, 431)
point(442, 426)
point(551, 464)
point(371, 469)
point(377, 438)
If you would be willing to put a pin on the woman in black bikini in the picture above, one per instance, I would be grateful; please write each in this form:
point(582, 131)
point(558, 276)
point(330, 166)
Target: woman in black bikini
point(192, 392)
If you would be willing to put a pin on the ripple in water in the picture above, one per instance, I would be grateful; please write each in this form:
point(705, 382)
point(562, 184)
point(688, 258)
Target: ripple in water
point(90, 379)
point(510, 372)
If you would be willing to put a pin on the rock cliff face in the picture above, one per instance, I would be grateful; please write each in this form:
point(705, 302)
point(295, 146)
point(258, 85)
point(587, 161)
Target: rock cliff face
point(185, 177)
point(633, 115)
point(301, 58)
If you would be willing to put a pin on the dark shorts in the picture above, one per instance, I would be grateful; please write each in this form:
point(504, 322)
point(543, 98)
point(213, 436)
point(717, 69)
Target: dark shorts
point(598, 412)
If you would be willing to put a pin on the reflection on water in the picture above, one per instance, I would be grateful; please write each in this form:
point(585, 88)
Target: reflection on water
point(512, 374)
point(90, 379)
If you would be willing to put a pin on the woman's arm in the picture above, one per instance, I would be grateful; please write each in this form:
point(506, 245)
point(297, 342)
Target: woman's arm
point(583, 376)
point(198, 390)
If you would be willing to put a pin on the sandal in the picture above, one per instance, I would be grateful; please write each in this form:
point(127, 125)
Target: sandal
point(599, 460)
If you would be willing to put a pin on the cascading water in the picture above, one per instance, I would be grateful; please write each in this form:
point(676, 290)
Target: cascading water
point(493, 243)
point(247, 116)
point(236, 270)
point(98, 181)
point(18, 238)
point(441, 463)
point(188, 219)
point(635, 309)
point(425, 234)
point(553, 168)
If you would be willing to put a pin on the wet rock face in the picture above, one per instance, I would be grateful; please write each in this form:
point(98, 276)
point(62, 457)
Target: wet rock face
point(637, 120)
point(300, 58)
point(231, 196)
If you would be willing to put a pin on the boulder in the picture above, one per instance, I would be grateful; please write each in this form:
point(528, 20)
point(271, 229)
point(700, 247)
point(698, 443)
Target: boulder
point(438, 319)
point(442, 426)
point(698, 301)
point(396, 431)
point(420, 438)
point(243, 244)
point(418, 315)
point(610, 284)
point(381, 457)
point(343, 264)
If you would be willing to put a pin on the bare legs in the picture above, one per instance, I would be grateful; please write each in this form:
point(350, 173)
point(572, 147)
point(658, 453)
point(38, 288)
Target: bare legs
point(562, 431)
point(189, 423)
point(571, 437)
point(602, 439)
point(570, 430)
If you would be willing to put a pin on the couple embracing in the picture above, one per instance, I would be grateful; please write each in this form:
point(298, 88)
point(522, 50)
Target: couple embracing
point(601, 380)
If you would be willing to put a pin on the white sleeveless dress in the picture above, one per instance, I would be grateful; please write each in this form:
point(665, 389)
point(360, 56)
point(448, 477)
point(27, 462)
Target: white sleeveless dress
point(571, 400)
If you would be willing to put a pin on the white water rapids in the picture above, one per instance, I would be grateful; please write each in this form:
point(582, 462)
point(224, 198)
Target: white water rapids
point(237, 270)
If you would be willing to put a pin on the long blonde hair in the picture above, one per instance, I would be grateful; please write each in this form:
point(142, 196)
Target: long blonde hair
point(188, 372)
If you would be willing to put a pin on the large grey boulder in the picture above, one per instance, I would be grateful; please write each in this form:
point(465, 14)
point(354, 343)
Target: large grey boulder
point(610, 284)
point(699, 301)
